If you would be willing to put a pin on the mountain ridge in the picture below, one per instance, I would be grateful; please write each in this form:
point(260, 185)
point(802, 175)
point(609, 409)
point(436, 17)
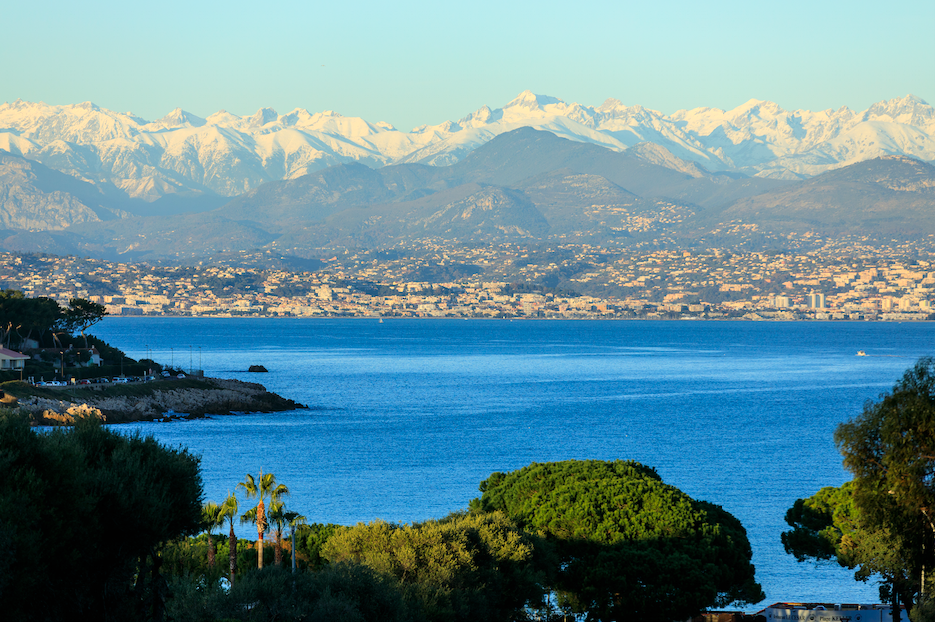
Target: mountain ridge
point(526, 186)
point(226, 155)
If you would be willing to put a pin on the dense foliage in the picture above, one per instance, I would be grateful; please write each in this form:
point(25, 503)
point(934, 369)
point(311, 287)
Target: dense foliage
point(23, 318)
point(890, 450)
point(465, 567)
point(336, 593)
point(82, 512)
point(883, 522)
point(629, 545)
point(829, 526)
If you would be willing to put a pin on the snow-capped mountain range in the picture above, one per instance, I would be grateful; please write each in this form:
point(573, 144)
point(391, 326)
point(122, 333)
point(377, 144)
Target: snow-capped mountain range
point(227, 155)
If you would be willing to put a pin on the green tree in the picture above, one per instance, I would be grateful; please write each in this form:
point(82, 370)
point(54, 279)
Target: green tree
point(11, 313)
point(628, 545)
point(228, 512)
point(83, 314)
point(39, 316)
point(261, 488)
point(890, 450)
point(280, 518)
point(211, 519)
point(337, 593)
point(464, 567)
point(310, 540)
point(829, 526)
point(83, 511)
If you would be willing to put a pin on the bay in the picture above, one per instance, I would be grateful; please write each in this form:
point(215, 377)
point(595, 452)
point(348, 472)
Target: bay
point(406, 417)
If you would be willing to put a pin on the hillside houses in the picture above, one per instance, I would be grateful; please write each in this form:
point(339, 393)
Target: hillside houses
point(577, 281)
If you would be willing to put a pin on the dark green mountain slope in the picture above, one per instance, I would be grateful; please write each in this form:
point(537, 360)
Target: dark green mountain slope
point(890, 195)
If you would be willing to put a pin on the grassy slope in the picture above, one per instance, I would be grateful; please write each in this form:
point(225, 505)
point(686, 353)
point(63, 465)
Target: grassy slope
point(23, 390)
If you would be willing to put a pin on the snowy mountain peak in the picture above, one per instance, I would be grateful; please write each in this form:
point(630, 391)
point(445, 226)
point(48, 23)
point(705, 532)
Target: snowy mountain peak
point(222, 117)
point(757, 107)
point(299, 116)
point(262, 117)
point(611, 104)
point(528, 99)
point(180, 118)
point(909, 100)
point(229, 155)
point(481, 116)
point(909, 109)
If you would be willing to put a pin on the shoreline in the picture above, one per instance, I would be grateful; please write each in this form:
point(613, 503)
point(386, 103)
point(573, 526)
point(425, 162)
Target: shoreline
point(519, 318)
point(167, 400)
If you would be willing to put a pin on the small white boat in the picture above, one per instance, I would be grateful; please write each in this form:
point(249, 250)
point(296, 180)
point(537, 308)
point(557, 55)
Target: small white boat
point(861, 353)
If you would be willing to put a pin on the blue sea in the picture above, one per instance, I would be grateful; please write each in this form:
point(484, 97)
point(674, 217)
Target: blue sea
point(406, 417)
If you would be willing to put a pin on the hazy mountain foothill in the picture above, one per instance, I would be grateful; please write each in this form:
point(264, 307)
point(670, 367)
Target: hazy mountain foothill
point(84, 180)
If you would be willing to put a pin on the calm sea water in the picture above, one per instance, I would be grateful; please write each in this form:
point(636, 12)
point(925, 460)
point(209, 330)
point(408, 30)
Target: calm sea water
point(408, 416)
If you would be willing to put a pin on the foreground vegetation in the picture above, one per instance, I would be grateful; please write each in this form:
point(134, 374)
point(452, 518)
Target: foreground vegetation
point(84, 513)
point(99, 526)
point(95, 525)
point(567, 549)
point(881, 523)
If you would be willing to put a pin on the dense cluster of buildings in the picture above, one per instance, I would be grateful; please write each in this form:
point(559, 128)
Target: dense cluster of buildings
point(503, 281)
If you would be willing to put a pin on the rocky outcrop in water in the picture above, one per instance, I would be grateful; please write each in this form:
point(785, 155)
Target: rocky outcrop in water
point(219, 397)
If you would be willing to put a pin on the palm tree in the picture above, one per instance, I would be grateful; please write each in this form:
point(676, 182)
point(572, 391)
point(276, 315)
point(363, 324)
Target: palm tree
point(250, 516)
point(211, 518)
point(228, 512)
point(262, 487)
point(280, 518)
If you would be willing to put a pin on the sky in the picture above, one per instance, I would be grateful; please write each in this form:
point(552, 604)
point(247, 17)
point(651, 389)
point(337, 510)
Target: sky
point(411, 62)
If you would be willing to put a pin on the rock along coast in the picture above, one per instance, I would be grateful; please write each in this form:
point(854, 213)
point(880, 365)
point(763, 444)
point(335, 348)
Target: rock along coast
point(153, 401)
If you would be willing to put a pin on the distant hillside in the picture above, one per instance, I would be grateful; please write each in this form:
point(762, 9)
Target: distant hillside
point(888, 195)
point(34, 197)
point(522, 186)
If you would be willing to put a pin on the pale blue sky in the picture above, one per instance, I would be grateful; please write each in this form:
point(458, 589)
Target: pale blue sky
point(412, 62)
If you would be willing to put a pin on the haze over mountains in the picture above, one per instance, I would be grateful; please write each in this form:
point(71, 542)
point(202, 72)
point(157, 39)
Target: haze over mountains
point(80, 179)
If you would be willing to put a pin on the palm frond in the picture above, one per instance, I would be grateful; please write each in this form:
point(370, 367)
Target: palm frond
point(211, 516)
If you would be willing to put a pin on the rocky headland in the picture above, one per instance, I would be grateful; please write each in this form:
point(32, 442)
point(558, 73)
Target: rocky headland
point(153, 401)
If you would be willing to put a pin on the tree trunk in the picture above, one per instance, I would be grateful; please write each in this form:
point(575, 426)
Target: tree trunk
point(279, 547)
point(212, 551)
point(260, 528)
point(233, 555)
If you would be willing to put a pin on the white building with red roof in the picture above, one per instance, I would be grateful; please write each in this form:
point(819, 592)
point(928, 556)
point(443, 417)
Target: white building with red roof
point(12, 360)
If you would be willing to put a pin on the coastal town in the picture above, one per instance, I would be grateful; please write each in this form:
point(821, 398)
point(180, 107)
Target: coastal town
point(505, 281)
